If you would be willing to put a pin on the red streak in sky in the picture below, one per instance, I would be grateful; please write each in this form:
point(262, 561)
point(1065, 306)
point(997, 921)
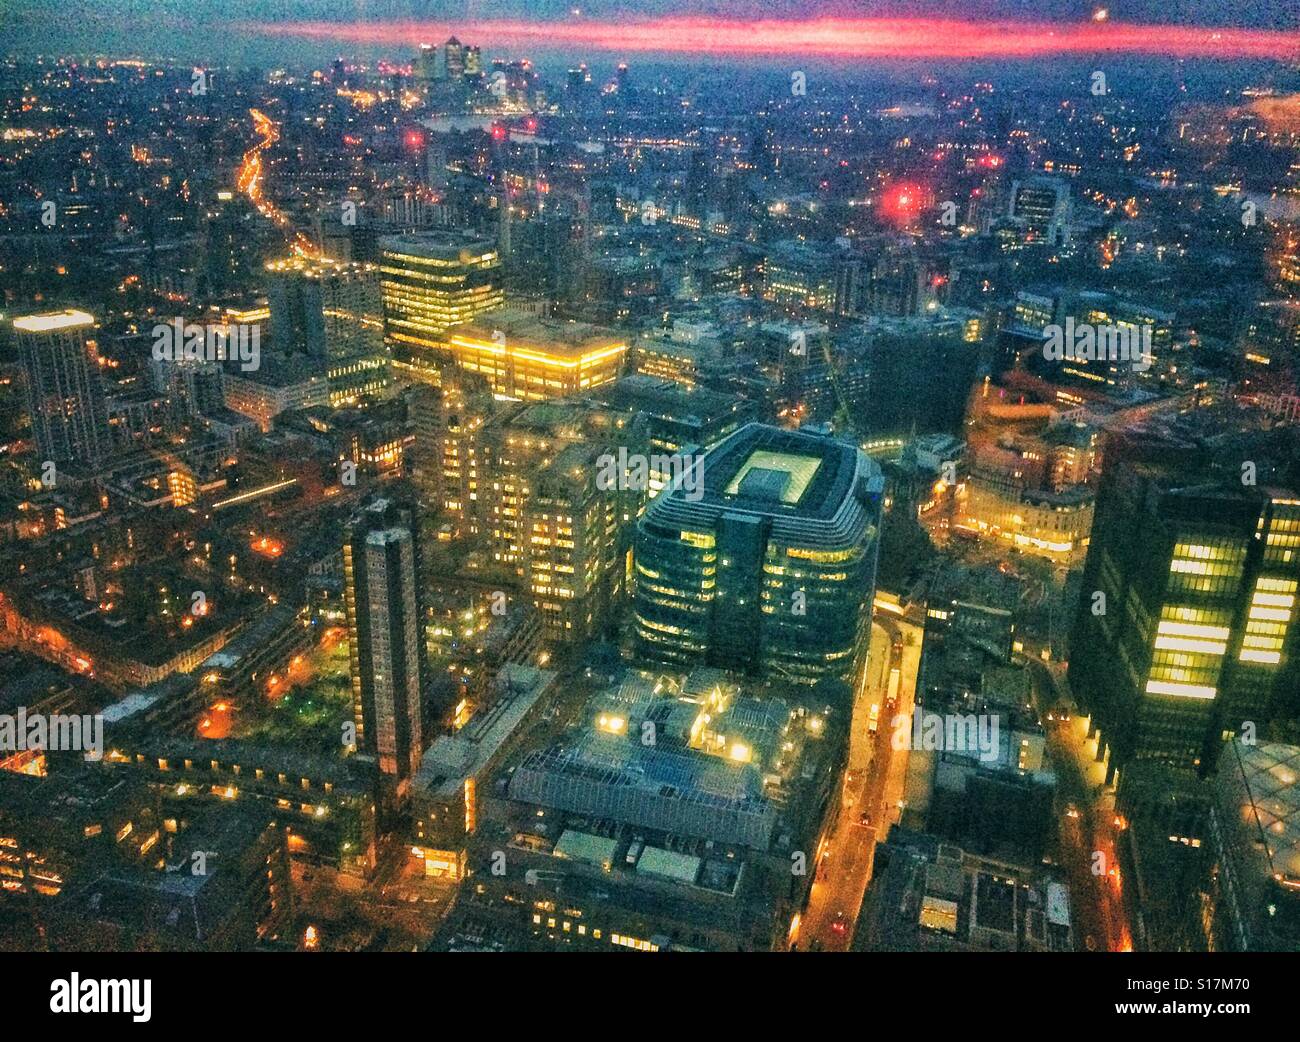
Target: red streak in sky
point(822, 37)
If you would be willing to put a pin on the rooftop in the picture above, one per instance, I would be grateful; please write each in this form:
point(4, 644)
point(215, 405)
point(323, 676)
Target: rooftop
point(524, 333)
point(439, 245)
point(1270, 802)
point(780, 475)
point(455, 757)
point(820, 488)
point(53, 320)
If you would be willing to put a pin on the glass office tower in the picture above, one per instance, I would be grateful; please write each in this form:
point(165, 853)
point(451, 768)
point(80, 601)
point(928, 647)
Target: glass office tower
point(768, 565)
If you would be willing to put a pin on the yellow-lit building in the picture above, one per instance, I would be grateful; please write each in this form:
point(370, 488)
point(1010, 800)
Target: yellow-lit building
point(432, 281)
point(1186, 633)
point(545, 518)
point(667, 360)
point(571, 550)
point(528, 357)
point(447, 452)
point(65, 392)
point(1055, 525)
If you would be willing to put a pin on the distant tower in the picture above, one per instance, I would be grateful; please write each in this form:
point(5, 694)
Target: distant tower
point(386, 641)
point(426, 64)
point(454, 58)
point(504, 229)
point(1043, 204)
point(65, 392)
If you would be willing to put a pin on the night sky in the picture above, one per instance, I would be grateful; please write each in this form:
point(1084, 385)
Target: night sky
point(257, 30)
point(1277, 14)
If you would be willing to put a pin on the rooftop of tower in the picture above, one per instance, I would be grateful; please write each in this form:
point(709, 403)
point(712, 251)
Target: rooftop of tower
point(783, 476)
point(815, 490)
point(53, 320)
point(773, 471)
point(439, 245)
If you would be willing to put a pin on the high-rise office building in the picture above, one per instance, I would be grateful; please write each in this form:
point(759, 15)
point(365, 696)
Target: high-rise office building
point(919, 372)
point(432, 281)
point(764, 562)
point(429, 65)
point(454, 52)
point(473, 62)
point(448, 420)
point(895, 286)
point(1132, 340)
point(545, 516)
point(529, 357)
point(1186, 625)
point(65, 391)
point(436, 63)
point(1042, 204)
point(386, 639)
point(332, 312)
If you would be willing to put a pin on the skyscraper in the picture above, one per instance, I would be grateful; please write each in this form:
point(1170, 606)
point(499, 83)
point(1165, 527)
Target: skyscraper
point(448, 419)
point(65, 392)
point(1186, 627)
point(571, 553)
point(331, 311)
point(1043, 205)
point(432, 281)
point(386, 640)
point(768, 565)
point(544, 515)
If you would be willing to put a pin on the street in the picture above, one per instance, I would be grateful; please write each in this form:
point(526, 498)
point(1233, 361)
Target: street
point(873, 787)
point(1087, 847)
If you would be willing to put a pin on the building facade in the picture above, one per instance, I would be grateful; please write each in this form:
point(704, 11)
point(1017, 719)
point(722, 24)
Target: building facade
point(768, 566)
point(65, 393)
point(1186, 627)
point(432, 281)
point(386, 642)
point(332, 312)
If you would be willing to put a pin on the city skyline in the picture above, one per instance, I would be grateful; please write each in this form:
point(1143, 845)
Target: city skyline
point(652, 478)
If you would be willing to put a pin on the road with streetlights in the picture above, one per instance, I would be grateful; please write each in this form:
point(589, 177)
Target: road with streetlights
point(873, 787)
point(1089, 823)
